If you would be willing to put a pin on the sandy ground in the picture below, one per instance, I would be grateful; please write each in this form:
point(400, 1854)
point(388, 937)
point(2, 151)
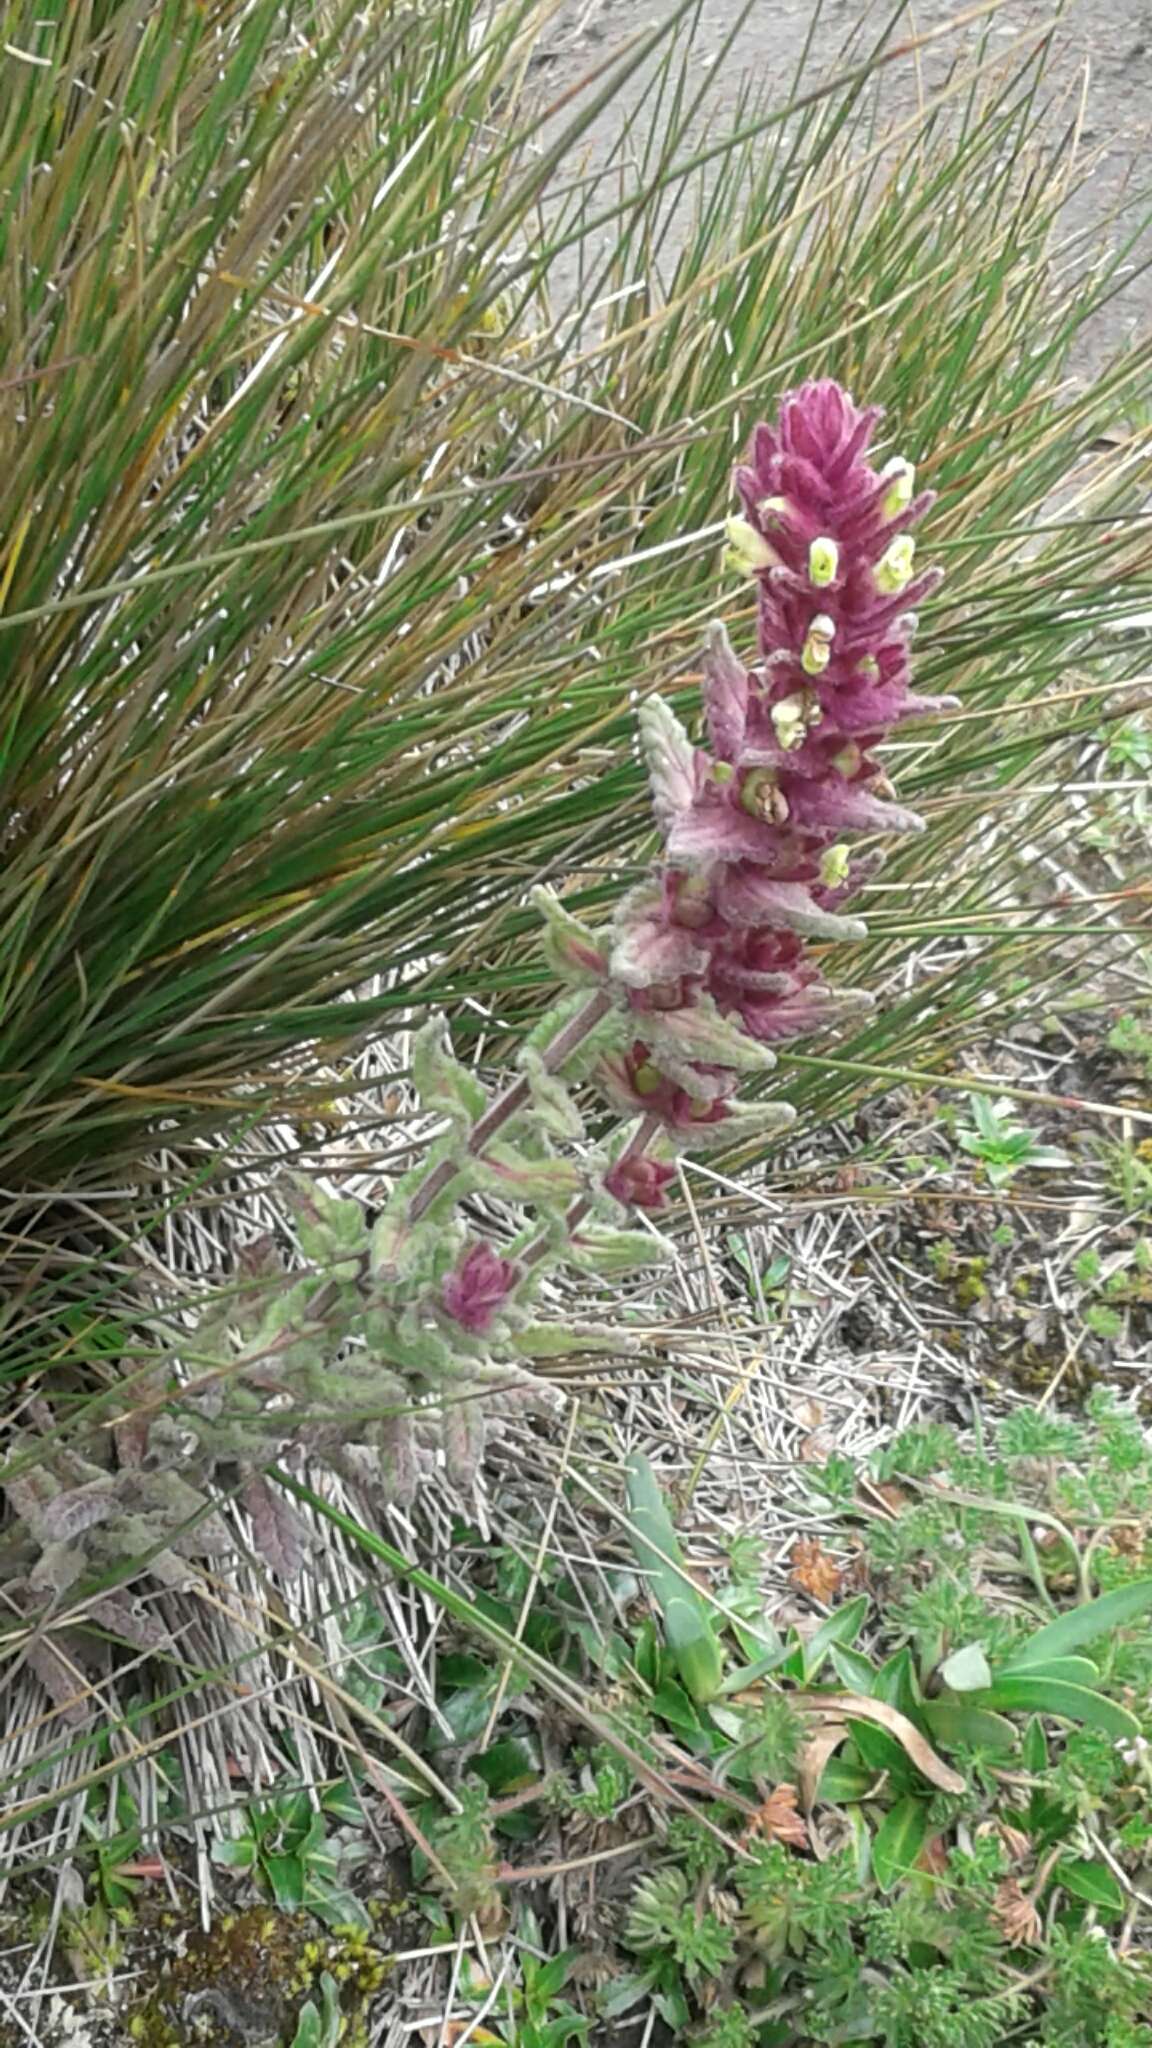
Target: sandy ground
point(1102, 48)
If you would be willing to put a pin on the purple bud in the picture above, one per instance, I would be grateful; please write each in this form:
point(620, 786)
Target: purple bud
point(480, 1282)
point(639, 1181)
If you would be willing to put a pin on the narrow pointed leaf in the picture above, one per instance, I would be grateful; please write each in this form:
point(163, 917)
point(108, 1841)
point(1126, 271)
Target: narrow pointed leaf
point(1092, 1881)
point(1028, 1694)
point(686, 1615)
point(1083, 1625)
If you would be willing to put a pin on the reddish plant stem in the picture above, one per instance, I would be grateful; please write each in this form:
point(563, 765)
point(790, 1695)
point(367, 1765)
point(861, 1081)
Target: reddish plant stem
point(514, 1097)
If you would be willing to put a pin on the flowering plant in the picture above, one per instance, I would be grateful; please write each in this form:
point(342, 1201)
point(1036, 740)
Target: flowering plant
point(711, 958)
point(404, 1341)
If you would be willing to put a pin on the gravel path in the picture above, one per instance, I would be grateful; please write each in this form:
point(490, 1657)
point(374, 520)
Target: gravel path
point(1107, 43)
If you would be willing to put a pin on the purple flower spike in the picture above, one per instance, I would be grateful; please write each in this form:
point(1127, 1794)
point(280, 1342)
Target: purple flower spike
point(755, 870)
point(480, 1282)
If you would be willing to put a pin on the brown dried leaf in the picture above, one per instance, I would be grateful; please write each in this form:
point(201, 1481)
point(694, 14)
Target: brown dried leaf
point(883, 1494)
point(462, 1435)
point(125, 1618)
point(853, 1706)
point(933, 1856)
point(857, 1575)
point(66, 1687)
point(29, 1492)
point(131, 1431)
point(778, 1821)
point(813, 1757)
point(57, 1568)
point(80, 1508)
point(1016, 1842)
point(281, 1535)
point(813, 1571)
point(830, 1833)
point(1015, 1915)
point(809, 1413)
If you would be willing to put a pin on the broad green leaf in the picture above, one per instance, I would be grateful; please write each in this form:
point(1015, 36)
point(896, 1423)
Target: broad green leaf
point(1035, 1747)
point(1093, 1882)
point(334, 1904)
point(466, 1713)
point(553, 1975)
point(285, 1875)
point(748, 1674)
point(898, 1841)
point(1073, 1670)
point(967, 1670)
point(855, 1671)
point(793, 1665)
point(308, 2030)
point(309, 1841)
point(1082, 1625)
point(522, 1824)
point(842, 1627)
point(842, 1782)
point(687, 1618)
point(342, 1802)
point(731, 1721)
point(957, 1724)
point(648, 1653)
point(675, 1706)
point(620, 1994)
point(566, 2027)
point(239, 1855)
point(506, 1766)
point(895, 1683)
point(292, 1811)
point(330, 2004)
point(1017, 1693)
point(880, 1751)
point(862, 1842)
